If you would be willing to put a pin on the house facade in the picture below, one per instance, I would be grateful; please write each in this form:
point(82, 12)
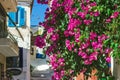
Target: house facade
point(22, 20)
point(15, 39)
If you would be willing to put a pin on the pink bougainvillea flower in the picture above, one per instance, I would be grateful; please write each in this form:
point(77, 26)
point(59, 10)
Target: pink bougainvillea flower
point(56, 76)
point(71, 71)
point(73, 23)
point(71, 11)
point(108, 20)
point(61, 61)
point(97, 13)
point(93, 56)
point(85, 8)
point(82, 14)
point(93, 4)
point(87, 62)
point(40, 42)
point(87, 22)
point(114, 15)
point(108, 59)
point(67, 43)
point(108, 50)
point(77, 36)
point(54, 37)
point(62, 72)
point(68, 33)
point(50, 30)
point(93, 35)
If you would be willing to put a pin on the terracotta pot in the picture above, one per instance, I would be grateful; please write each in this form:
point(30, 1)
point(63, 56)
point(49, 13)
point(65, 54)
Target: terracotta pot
point(81, 76)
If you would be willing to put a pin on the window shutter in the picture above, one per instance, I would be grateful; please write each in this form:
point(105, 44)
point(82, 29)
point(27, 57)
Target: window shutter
point(13, 17)
point(18, 17)
point(21, 17)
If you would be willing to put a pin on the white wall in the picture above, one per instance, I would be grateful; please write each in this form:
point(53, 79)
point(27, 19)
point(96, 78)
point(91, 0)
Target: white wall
point(25, 75)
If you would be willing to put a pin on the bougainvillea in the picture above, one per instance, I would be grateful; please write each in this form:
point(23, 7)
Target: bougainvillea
point(81, 35)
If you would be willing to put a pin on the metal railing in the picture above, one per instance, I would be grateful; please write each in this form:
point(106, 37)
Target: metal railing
point(11, 37)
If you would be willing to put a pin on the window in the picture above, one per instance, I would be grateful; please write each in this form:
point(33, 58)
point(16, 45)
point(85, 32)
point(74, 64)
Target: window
point(16, 61)
point(18, 17)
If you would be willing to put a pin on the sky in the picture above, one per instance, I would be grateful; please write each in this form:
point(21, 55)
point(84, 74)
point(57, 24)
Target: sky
point(38, 13)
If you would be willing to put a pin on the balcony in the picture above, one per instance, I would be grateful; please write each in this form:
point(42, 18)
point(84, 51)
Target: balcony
point(9, 5)
point(8, 46)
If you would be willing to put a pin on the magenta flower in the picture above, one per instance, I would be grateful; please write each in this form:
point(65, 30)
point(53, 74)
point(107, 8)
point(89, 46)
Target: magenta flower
point(67, 43)
point(77, 36)
point(108, 20)
point(66, 33)
point(62, 73)
point(81, 14)
point(93, 4)
point(108, 59)
point(57, 76)
point(54, 37)
point(114, 15)
point(71, 11)
point(85, 8)
point(93, 56)
point(40, 42)
point(108, 50)
point(97, 13)
point(61, 61)
point(93, 35)
point(87, 62)
point(53, 58)
point(50, 30)
point(73, 23)
point(83, 54)
point(95, 45)
point(71, 71)
point(87, 22)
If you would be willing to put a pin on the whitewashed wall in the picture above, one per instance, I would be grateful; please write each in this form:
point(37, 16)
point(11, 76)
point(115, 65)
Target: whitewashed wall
point(25, 75)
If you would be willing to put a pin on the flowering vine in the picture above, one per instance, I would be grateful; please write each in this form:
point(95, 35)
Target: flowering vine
point(82, 35)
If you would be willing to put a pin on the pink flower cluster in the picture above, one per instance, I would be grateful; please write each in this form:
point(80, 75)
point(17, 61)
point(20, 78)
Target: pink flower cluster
point(94, 43)
point(40, 42)
point(57, 64)
point(113, 16)
point(72, 35)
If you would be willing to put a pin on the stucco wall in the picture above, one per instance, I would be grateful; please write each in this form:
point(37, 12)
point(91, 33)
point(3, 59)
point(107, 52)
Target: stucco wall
point(25, 75)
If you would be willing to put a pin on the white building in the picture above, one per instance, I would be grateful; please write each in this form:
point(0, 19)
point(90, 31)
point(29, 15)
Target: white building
point(23, 36)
